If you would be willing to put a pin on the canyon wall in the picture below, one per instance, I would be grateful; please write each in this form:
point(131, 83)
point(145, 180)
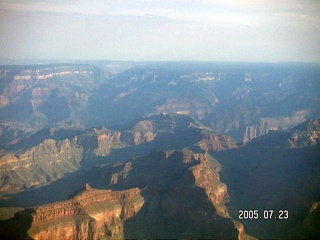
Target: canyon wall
point(89, 215)
point(190, 190)
point(43, 163)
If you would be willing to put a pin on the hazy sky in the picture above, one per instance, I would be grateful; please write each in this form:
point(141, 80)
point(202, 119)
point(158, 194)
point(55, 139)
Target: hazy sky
point(216, 30)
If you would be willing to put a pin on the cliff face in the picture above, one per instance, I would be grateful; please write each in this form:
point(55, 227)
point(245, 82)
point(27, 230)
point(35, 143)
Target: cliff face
point(182, 192)
point(306, 134)
point(254, 131)
point(284, 165)
point(270, 124)
point(198, 108)
point(43, 163)
point(38, 96)
point(90, 215)
point(142, 132)
point(216, 142)
point(187, 198)
point(10, 133)
point(51, 153)
point(27, 77)
point(225, 99)
point(180, 196)
point(190, 191)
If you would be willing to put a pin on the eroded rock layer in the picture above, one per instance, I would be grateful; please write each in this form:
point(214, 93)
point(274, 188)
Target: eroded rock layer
point(186, 188)
point(167, 194)
point(90, 215)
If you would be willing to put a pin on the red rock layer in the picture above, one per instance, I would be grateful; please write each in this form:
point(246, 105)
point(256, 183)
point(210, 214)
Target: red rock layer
point(89, 215)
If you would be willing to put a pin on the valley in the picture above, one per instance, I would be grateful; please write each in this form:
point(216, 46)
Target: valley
point(98, 150)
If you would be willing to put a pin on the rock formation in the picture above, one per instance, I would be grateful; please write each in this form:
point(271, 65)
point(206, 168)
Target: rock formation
point(37, 96)
point(43, 163)
point(306, 134)
point(277, 171)
point(51, 153)
point(73, 118)
point(226, 100)
point(89, 215)
point(179, 196)
point(216, 142)
point(190, 191)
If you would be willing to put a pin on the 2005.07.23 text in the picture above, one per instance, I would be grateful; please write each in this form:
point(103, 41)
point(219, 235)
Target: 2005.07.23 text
point(266, 214)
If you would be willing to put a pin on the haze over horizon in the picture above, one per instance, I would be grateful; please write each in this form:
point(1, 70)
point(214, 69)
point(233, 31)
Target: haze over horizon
point(141, 30)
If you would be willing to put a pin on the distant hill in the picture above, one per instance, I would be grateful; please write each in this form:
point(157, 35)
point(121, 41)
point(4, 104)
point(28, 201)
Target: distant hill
point(51, 153)
point(159, 150)
point(241, 100)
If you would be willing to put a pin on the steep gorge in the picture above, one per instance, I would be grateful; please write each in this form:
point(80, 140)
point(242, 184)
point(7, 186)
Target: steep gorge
point(51, 153)
point(186, 187)
point(180, 196)
point(278, 171)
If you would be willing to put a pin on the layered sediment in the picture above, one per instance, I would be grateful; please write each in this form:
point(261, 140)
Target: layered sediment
point(90, 215)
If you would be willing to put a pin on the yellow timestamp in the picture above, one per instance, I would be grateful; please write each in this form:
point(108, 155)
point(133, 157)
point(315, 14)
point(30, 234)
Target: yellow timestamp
point(265, 214)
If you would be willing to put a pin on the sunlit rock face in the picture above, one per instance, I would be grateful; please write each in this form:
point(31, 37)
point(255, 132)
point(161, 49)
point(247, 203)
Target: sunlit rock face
point(74, 123)
point(303, 135)
point(306, 134)
point(43, 163)
point(216, 142)
point(284, 165)
point(180, 196)
point(186, 188)
point(89, 215)
point(220, 96)
point(51, 153)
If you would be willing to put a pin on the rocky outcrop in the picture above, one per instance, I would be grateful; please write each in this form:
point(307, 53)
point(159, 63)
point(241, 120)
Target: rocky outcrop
point(39, 96)
point(142, 132)
point(145, 131)
point(216, 142)
point(27, 77)
point(89, 215)
point(46, 73)
point(306, 134)
point(43, 163)
point(254, 131)
point(187, 195)
point(10, 132)
point(242, 102)
point(167, 194)
point(51, 153)
point(190, 189)
point(271, 124)
point(281, 164)
point(188, 106)
point(207, 177)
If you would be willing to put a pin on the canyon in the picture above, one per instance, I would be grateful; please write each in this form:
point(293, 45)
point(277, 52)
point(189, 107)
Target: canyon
point(276, 97)
point(112, 150)
point(50, 157)
point(182, 188)
point(283, 174)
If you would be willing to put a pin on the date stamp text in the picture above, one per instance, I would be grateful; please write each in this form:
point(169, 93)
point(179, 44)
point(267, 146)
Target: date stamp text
point(265, 214)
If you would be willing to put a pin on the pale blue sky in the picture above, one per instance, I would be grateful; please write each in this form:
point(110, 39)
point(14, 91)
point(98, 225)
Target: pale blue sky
point(217, 30)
